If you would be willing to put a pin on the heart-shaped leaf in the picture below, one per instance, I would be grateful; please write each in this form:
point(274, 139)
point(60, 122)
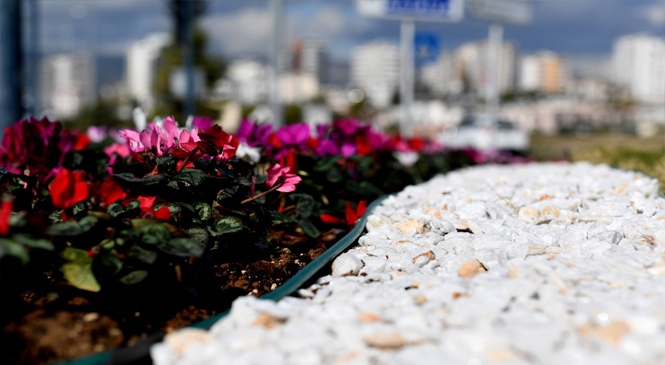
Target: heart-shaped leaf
point(228, 224)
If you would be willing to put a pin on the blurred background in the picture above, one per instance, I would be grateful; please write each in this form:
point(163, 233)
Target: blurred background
point(561, 79)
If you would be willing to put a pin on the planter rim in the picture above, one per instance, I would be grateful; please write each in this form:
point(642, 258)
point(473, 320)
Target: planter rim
point(140, 352)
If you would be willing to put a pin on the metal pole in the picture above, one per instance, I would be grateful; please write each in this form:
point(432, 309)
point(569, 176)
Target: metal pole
point(11, 61)
point(494, 46)
point(407, 33)
point(277, 32)
point(31, 92)
point(188, 53)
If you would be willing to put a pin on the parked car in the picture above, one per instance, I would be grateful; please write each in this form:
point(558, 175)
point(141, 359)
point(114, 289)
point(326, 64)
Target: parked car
point(477, 131)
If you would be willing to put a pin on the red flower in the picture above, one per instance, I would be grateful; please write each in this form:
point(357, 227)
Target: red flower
point(216, 142)
point(147, 203)
point(111, 191)
point(6, 208)
point(290, 160)
point(351, 215)
point(68, 188)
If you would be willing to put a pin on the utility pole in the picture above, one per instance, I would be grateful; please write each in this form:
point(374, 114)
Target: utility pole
point(188, 55)
point(277, 37)
point(406, 85)
point(11, 61)
point(494, 74)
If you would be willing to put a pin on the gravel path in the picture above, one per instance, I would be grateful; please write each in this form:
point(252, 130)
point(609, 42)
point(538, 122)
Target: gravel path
point(531, 264)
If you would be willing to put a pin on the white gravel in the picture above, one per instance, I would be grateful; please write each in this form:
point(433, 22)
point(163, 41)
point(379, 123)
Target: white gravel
point(530, 264)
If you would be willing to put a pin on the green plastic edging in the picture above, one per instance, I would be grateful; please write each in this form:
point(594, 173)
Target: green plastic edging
point(284, 290)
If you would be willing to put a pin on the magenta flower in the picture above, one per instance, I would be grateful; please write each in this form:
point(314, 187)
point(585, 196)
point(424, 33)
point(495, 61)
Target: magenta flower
point(287, 180)
point(202, 122)
point(348, 127)
point(295, 135)
point(38, 147)
point(327, 148)
point(253, 134)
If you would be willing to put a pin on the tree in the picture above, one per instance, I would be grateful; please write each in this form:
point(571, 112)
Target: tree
point(172, 58)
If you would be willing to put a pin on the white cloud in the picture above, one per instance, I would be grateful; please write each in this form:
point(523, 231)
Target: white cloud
point(244, 31)
point(656, 13)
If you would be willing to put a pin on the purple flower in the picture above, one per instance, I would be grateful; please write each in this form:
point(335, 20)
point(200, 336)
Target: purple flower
point(253, 134)
point(295, 135)
point(38, 147)
point(327, 148)
point(348, 127)
point(202, 122)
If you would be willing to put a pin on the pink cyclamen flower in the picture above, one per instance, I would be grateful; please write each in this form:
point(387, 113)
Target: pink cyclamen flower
point(160, 141)
point(289, 180)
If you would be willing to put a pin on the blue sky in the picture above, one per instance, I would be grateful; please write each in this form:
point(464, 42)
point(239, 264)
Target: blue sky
point(582, 29)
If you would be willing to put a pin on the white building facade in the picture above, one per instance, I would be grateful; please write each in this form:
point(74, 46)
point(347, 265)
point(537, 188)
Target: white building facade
point(142, 57)
point(67, 83)
point(375, 70)
point(638, 61)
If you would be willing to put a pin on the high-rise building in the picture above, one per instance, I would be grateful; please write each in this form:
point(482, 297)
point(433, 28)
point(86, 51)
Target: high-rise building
point(638, 61)
point(249, 81)
point(438, 76)
point(375, 69)
point(67, 83)
point(543, 71)
point(471, 65)
point(142, 57)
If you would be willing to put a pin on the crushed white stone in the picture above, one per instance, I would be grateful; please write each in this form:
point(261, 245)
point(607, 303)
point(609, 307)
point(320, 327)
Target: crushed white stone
point(530, 264)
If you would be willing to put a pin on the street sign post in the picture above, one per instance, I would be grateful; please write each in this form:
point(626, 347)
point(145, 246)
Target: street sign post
point(408, 12)
point(516, 12)
point(498, 12)
point(420, 10)
point(426, 48)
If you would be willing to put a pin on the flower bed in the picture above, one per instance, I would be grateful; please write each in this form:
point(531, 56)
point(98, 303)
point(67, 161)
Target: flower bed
point(108, 241)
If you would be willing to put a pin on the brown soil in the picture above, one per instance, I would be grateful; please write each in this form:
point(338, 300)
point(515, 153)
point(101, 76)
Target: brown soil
point(45, 322)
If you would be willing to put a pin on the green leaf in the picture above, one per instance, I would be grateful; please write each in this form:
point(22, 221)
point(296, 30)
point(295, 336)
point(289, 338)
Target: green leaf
point(164, 162)
point(11, 248)
point(203, 210)
point(364, 188)
point(134, 204)
point(183, 247)
point(228, 224)
point(72, 228)
point(78, 271)
point(334, 175)
point(134, 277)
point(30, 241)
point(304, 206)
point(130, 178)
point(279, 218)
point(326, 163)
point(154, 234)
point(142, 254)
point(193, 177)
point(81, 276)
point(115, 209)
point(309, 228)
point(199, 234)
point(75, 255)
point(109, 264)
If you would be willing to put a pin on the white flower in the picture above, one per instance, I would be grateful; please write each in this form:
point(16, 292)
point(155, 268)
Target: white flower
point(407, 159)
point(253, 154)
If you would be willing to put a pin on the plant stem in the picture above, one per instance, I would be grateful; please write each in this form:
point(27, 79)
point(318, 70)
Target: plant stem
point(196, 149)
point(275, 187)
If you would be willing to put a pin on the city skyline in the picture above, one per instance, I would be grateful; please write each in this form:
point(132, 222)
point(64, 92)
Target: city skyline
point(583, 30)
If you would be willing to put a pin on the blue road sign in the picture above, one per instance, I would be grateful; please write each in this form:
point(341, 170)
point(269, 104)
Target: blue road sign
point(426, 48)
point(422, 10)
point(418, 6)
